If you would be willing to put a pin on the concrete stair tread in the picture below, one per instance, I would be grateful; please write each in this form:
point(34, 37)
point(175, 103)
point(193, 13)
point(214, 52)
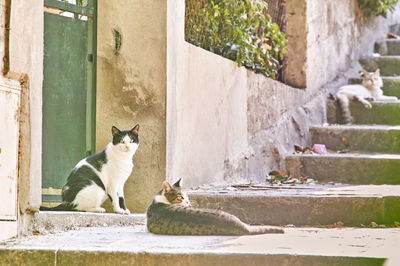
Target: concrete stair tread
point(373, 127)
point(351, 155)
point(52, 221)
point(135, 246)
point(303, 190)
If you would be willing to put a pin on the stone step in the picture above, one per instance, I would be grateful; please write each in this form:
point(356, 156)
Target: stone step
point(391, 85)
point(135, 246)
point(352, 168)
point(388, 47)
point(51, 221)
point(388, 65)
point(358, 138)
point(384, 113)
point(310, 205)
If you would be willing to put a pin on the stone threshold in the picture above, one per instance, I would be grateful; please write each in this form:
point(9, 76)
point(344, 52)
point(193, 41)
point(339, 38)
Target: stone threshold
point(133, 245)
point(53, 221)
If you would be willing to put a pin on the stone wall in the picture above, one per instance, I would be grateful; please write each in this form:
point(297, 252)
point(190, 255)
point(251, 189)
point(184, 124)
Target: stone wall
point(226, 124)
point(337, 36)
point(131, 88)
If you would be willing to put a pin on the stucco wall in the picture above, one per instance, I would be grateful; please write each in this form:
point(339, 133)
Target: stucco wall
point(226, 124)
point(131, 87)
point(230, 125)
point(25, 62)
point(337, 36)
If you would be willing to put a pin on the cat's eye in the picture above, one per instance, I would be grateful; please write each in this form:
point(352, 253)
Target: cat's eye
point(132, 140)
point(121, 141)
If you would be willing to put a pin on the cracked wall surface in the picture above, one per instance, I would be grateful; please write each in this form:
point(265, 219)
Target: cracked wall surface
point(131, 77)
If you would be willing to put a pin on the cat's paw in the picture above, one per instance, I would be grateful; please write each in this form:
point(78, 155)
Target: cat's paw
point(122, 211)
point(368, 105)
point(119, 210)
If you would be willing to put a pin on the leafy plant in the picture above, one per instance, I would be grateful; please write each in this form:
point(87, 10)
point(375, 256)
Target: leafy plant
point(239, 30)
point(377, 7)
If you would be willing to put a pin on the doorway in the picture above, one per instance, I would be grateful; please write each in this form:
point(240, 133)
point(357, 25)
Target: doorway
point(69, 91)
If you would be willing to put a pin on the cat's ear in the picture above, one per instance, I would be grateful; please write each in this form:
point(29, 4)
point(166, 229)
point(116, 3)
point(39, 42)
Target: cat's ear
point(377, 72)
point(166, 187)
point(115, 130)
point(364, 73)
point(135, 130)
point(178, 184)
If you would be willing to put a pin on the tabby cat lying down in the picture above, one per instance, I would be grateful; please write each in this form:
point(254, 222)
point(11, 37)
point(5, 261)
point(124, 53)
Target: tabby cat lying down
point(170, 214)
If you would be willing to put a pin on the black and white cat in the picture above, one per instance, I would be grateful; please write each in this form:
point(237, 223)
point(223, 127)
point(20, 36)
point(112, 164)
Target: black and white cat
point(100, 175)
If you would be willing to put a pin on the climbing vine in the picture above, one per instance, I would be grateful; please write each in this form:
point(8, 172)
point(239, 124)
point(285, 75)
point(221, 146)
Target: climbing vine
point(377, 7)
point(239, 30)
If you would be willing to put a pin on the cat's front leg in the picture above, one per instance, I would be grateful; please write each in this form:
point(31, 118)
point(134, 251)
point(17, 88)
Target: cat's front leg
point(121, 200)
point(118, 202)
point(364, 102)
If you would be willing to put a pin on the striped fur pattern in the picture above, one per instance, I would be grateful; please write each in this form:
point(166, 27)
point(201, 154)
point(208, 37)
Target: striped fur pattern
point(170, 214)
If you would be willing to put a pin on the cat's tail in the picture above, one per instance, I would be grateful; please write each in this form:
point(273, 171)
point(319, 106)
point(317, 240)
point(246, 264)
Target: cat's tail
point(343, 102)
point(65, 206)
point(262, 229)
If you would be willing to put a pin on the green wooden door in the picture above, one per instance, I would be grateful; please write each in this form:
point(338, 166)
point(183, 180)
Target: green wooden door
point(68, 91)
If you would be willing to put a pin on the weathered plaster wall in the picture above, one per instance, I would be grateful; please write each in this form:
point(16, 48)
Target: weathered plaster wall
point(226, 124)
point(131, 88)
point(337, 36)
point(230, 125)
point(25, 62)
point(296, 33)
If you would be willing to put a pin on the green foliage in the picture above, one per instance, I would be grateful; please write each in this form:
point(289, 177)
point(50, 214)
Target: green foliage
point(377, 7)
point(239, 30)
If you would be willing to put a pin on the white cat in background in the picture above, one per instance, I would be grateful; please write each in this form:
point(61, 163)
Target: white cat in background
point(370, 89)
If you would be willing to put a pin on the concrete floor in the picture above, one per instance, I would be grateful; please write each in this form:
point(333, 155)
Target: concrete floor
point(312, 243)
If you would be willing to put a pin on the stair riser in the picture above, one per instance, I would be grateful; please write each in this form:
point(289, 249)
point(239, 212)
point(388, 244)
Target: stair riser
point(388, 65)
point(391, 86)
point(381, 113)
point(392, 47)
point(67, 257)
point(348, 170)
point(361, 140)
point(305, 210)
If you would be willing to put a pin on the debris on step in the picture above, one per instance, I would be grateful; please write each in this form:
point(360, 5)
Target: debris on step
point(319, 149)
point(338, 224)
point(392, 36)
point(278, 178)
point(305, 150)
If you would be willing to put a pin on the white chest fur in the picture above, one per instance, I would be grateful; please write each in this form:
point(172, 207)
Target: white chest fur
point(118, 167)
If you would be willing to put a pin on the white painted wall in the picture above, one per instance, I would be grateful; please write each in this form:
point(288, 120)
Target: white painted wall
point(213, 109)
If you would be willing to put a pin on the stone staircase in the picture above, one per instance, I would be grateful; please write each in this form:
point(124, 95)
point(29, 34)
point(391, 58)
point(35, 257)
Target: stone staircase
point(366, 179)
point(373, 143)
